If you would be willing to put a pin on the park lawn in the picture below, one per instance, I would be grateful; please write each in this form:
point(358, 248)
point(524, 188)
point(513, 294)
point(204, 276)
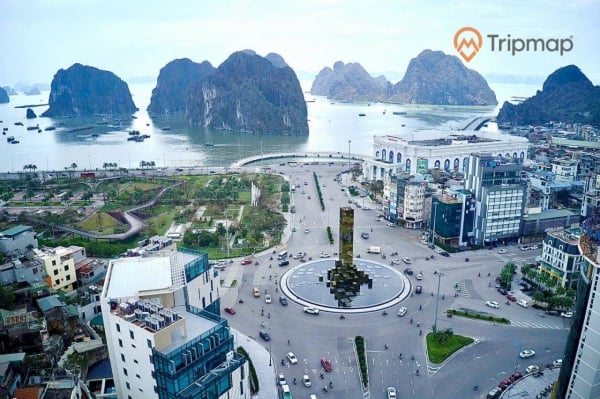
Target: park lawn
point(439, 352)
point(162, 221)
point(99, 221)
point(131, 187)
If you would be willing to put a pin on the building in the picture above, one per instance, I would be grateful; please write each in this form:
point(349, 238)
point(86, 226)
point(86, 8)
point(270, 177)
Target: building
point(579, 376)
point(406, 200)
point(17, 240)
point(437, 149)
point(452, 217)
point(535, 225)
point(164, 334)
point(561, 260)
point(60, 267)
point(500, 197)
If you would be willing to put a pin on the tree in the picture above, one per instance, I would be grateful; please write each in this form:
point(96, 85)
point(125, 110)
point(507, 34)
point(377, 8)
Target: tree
point(7, 296)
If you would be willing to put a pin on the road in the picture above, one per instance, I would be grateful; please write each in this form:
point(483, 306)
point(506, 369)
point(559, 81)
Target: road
point(493, 356)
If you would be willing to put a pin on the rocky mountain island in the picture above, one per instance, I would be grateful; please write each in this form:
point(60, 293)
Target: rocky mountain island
point(350, 82)
point(567, 96)
point(246, 93)
point(84, 90)
point(3, 96)
point(173, 82)
point(431, 78)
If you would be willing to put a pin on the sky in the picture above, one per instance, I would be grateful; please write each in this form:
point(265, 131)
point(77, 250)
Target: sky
point(136, 38)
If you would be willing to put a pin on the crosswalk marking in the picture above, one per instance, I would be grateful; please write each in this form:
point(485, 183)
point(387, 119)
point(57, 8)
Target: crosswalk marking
point(526, 324)
point(460, 289)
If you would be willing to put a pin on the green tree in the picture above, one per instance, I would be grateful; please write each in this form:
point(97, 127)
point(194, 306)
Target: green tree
point(7, 297)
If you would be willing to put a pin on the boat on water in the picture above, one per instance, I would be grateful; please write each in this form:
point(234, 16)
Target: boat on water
point(15, 142)
point(36, 127)
point(10, 139)
point(362, 114)
point(95, 135)
point(209, 144)
point(78, 129)
point(18, 123)
point(50, 128)
point(399, 113)
point(166, 128)
point(134, 133)
point(311, 101)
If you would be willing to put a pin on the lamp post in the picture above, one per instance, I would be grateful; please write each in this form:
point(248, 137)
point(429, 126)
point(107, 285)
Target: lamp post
point(226, 231)
point(437, 302)
point(270, 357)
point(349, 141)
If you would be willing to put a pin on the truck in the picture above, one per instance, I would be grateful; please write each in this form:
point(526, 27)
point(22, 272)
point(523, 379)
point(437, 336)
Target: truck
point(374, 250)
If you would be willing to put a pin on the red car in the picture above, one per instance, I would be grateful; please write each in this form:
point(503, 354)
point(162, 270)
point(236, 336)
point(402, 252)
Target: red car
point(326, 364)
point(247, 262)
point(230, 310)
point(511, 298)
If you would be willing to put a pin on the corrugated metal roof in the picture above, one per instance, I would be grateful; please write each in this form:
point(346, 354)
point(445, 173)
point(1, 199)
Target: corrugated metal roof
point(15, 230)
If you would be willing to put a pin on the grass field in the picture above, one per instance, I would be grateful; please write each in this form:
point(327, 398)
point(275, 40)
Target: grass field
point(439, 352)
point(131, 187)
point(99, 222)
point(162, 222)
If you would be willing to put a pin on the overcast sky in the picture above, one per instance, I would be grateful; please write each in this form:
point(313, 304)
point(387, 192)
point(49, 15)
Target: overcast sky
point(135, 38)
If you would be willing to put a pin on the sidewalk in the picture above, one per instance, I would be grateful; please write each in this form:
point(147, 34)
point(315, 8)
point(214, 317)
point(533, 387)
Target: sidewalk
point(260, 358)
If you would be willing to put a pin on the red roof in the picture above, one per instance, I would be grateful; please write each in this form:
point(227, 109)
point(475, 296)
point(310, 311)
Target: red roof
point(28, 393)
point(86, 269)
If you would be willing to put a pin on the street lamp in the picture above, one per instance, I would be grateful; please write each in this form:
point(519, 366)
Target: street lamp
point(270, 357)
point(437, 302)
point(349, 141)
point(226, 231)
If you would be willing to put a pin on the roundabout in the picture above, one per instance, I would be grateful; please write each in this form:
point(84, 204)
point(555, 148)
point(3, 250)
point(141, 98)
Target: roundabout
point(307, 284)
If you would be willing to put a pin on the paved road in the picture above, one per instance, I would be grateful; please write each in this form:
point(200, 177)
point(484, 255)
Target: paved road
point(493, 356)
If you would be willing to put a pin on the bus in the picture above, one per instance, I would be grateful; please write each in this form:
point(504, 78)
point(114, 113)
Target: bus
point(282, 255)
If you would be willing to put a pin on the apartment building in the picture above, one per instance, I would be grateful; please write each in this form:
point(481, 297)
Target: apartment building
point(60, 263)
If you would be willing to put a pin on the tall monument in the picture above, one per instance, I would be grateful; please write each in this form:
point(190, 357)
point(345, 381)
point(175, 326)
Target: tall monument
point(344, 279)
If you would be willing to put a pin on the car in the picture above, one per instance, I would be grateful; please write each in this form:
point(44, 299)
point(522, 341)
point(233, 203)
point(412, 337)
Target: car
point(566, 315)
point(312, 396)
point(527, 353)
point(364, 236)
point(498, 285)
point(281, 379)
point(402, 311)
point(391, 393)
point(494, 393)
point(524, 248)
point(179, 169)
point(350, 201)
point(325, 255)
point(326, 364)
point(431, 246)
point(424, 242)
point(418, 289)
point(305, 183)
point(502, 291)
point(230, 310)
point(268, 298)
point(406, 260)
point(311, 310)
point(390, 224)
point(532, 369)
point(264, 335)
point(306, 380)
point(283, 301)
point(308, 197)
point(256, 292)
point(292, 358)
point(553, 312)
point(408, 271)
point(247, 262)
point(511, 298)
point(557, 363)
point(516, 376)
point(493, 304)
point(444, 253)
point(419, 276)
point(505, 383)
point(284, 263)
point(395, 261)
point(502, 251)
point(306, 231)
point(438, 250)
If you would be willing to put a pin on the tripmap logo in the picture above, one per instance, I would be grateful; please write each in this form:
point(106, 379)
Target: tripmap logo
point(468, 41)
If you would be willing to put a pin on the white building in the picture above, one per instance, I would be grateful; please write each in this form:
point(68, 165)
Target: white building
point(561, 259)
point(164, 334)
point(60, 263)
point(437, 149)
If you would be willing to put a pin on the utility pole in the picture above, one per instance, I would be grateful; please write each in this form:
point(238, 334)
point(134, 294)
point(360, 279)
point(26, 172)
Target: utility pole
point(437, 302)
point(227, 232)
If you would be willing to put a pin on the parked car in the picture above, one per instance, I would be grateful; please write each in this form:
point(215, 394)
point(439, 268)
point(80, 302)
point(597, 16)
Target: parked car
point(494, 393)
point(505, 383)
point(292, 358)
point(395, 261)
point(326, 364)
point(502, 291)
point(557, 363)
point(325, 255)
point(230, 310)
point(527, 353)
point(567, 315)
point(532, 369)
point(390, 224)
point(493, 304)
point(553, 312)
point(264, 335)
point(311, 310)
point(444, 253)
point(511, 297)
point(281, 379)
point(516, 376)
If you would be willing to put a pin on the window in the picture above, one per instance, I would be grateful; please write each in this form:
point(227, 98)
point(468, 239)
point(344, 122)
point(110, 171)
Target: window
point(57, 282)
point(53, 263)
point(120, 342)
point(128, 386)
point(122, 357)
point(125, 371)
point(138, 376)
point(68, 277)
point(55, 272)
point(66, 268)
point(131, 334)
point(118, 327)
point(149, 343)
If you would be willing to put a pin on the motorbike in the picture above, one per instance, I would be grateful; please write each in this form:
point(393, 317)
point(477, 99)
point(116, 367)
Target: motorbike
point(322, 377)
point(271, 258)
point(466, 259)
point(384, 313)
point(475, 387)
point(427, 258)
point(256, 263)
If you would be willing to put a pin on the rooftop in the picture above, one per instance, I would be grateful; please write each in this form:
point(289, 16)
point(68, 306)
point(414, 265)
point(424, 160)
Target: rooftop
point(428, 137)
point(570, 236)
point(549, 214)
point(15, 231)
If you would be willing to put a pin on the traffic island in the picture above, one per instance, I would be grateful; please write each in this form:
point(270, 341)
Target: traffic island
point(477, 316)
point(441, 345)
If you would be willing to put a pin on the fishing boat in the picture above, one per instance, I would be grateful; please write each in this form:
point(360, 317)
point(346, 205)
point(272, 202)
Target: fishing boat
point(209, 144)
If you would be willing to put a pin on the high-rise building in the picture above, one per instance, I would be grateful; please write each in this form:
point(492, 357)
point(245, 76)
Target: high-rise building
point(407, 200)
point(561, 260)
point(452, 216)
point(164, 334)
point(579, 376)
point(500, 197)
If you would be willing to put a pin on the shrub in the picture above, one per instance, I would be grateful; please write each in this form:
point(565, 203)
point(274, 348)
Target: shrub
point(253, 377)
point(360, 343)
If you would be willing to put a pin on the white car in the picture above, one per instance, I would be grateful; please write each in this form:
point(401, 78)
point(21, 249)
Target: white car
point(306, 231)
point(502, 251)
point(566, 315)
point(391, 393)
point(557, 363)
point(419, 276)
point(281, 379)
point(395, 261)
point(292, 358)
point(325, 255)
point(306, 380)
point(402, 311)
point(438, 250)
point(424, 242)
point(527, 353)
point(390, 224)
point(311, 310)
point(532, 369)
point(267, 298)
point(493, 304)
point(406, 260)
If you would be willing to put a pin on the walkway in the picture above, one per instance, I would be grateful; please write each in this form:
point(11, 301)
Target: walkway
point(475, 123)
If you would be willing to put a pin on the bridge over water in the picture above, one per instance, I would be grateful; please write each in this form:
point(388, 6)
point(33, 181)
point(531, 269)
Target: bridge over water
point(475, 123)
point(322, 156)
